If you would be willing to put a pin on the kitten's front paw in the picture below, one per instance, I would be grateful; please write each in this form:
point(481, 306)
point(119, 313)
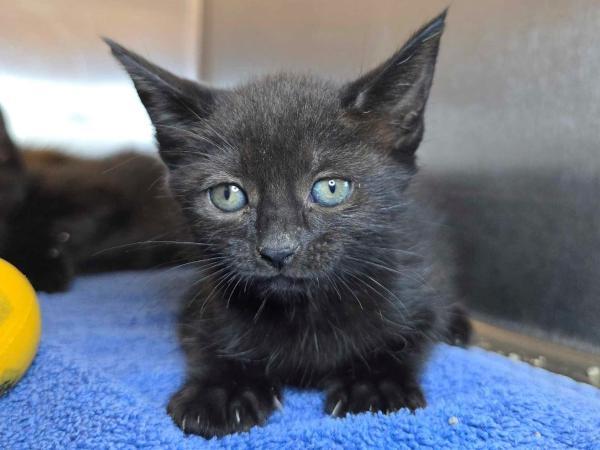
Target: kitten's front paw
point(219, 409)
point(52, 280)
point(386, 395)
point(51, 272)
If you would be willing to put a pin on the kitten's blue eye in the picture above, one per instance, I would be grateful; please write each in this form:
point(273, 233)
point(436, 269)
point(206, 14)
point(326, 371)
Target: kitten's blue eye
point(228, 197)
point(330, 191)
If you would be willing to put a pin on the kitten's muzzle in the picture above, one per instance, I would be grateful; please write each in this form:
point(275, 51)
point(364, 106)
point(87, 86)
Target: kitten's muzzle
point(277, 257)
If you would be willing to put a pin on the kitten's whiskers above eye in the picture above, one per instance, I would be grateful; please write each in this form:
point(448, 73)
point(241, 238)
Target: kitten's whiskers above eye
point(226, 147)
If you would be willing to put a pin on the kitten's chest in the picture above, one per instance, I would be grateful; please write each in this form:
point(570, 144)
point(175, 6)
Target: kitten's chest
point(301, 347)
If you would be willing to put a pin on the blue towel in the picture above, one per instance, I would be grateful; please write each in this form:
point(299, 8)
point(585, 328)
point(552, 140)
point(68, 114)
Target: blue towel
point(109, 361)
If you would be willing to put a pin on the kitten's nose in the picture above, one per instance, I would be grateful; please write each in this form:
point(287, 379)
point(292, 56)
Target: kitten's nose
point(277, 257)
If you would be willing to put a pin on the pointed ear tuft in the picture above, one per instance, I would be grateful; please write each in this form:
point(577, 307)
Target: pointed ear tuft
point(9, 153)
point(388, 103)
point(172, 102)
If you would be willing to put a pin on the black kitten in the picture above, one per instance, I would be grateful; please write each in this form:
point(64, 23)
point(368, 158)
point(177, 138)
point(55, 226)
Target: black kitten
point(316, 264)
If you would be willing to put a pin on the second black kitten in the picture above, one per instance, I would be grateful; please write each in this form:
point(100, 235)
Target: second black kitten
point(61, 215)
point(317, 266)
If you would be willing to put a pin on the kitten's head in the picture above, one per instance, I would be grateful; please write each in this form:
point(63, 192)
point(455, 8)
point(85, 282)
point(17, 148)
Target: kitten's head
point(288, 180)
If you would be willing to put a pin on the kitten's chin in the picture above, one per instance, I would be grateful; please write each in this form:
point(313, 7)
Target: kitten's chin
point(283, 284)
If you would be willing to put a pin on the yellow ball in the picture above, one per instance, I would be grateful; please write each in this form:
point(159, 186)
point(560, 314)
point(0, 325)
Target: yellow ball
point(20, 325)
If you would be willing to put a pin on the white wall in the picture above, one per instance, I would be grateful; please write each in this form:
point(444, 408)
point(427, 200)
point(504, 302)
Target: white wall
point(60, 86)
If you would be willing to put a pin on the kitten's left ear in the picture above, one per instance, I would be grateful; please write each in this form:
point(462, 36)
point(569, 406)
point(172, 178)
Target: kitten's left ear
point(388, 103)
point(173, 103)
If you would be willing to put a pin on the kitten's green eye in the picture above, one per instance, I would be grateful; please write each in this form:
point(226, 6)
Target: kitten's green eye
point(330, 191)
point(228, 197)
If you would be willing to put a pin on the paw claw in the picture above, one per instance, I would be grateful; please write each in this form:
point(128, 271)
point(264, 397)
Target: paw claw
point(372, 395)
point(337, 408)
point(220, 409)
point(277, 403)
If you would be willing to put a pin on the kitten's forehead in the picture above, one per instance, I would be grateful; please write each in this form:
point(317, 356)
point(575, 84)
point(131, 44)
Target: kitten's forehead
point(282, 125)
point(302, 96)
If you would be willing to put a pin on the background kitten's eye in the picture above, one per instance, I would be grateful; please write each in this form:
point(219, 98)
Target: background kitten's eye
point(228, 197)
point(330, 192)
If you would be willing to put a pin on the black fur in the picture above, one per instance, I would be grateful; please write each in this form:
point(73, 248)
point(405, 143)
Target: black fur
point(353, 312)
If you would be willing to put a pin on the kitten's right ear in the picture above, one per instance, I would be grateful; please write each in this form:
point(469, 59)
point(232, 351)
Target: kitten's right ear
point(388, 103)
point(173, 103)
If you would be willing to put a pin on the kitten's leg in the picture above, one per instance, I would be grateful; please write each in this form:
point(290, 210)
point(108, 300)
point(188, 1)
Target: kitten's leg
point(53, 273)
point(459, 328)
point(382, 384)
point(229, 398)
